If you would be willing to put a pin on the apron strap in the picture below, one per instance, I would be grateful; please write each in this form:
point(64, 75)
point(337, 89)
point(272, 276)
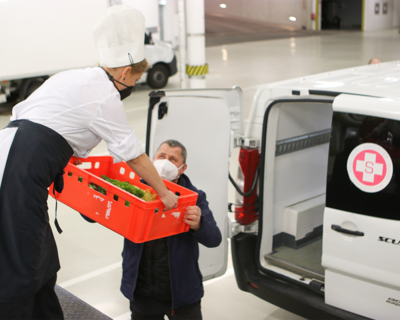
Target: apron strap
point(58, 186)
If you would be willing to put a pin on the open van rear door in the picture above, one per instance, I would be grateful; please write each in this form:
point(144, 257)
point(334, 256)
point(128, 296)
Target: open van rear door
point(361, 245)
point(205, 122)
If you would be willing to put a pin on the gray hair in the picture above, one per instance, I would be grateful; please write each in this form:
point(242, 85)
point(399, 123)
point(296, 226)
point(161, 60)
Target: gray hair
point(175, 143)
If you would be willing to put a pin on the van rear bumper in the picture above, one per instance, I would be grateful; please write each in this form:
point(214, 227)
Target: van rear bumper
point(285, 295)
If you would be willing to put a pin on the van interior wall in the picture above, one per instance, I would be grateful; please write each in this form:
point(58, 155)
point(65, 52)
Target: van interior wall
point(272, 11)
point(376, 19)
point(294, 177)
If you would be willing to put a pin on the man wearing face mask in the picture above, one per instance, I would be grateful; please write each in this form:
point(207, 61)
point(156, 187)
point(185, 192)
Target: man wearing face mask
point(162, 277)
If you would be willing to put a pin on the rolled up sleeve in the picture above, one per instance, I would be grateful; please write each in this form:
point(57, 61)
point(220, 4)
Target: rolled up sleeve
point(111, 124)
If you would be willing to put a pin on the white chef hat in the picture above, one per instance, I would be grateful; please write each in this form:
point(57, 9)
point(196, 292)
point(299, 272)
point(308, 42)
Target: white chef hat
point(119, 36)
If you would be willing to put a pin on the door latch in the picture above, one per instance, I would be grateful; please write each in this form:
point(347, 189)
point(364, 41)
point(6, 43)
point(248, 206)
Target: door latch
point(244, 142)
point(236, 228)
point(162, 110)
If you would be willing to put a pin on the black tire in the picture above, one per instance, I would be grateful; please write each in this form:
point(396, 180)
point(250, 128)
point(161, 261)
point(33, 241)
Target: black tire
point(29, 86)
point(157, 76)
point(33, 86)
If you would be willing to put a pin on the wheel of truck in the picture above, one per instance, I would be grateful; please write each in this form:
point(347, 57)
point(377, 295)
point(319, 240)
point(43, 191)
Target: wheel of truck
point(33, 86)
point(157, 76)
point(29, 86)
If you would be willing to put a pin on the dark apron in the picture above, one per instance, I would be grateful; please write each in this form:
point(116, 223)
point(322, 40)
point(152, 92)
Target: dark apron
point(28, 252)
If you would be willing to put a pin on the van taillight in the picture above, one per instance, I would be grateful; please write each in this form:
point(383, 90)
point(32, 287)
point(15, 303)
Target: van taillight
point(248, 162)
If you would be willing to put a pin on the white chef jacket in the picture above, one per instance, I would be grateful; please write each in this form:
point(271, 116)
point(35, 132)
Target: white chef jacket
point(84, 107)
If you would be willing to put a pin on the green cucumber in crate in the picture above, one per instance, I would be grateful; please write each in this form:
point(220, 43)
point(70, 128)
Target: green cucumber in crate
point(142, 194)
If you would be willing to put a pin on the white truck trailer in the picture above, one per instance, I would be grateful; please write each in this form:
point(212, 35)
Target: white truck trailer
point(42, 37)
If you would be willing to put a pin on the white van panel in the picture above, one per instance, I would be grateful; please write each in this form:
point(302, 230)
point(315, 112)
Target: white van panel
point(202, 125)
point(362, 273)
point(379, 107)
point(232, 97)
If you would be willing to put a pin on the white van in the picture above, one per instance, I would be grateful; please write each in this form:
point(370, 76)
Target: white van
point(318, 234)
point(162, 59)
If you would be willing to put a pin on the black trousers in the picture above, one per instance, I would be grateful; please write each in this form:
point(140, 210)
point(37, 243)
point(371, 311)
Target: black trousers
point(42, 305)
point(152, 309)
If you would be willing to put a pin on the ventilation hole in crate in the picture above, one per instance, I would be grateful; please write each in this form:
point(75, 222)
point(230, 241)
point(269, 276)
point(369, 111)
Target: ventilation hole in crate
point(70, 174)
point(116, 197)
point(97, 188)
point(127, 203)
point(177, 193)
point(131, 175)
point(97, 165)
point(86, 165)
point(122, 170)
point(156, 210)
point(80, 179)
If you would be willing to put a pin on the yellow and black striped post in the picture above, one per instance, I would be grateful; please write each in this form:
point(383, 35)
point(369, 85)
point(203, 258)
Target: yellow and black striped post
point(197, 70)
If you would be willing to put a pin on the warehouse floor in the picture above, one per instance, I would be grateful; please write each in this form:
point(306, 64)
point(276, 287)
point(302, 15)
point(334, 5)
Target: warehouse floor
point(91, 255)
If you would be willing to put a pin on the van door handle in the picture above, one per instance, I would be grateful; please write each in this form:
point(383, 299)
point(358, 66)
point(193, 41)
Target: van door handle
point(347, 231)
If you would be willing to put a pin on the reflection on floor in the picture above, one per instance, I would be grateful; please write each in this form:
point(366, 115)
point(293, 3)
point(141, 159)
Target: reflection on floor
point(222, 29)
point(305, 261)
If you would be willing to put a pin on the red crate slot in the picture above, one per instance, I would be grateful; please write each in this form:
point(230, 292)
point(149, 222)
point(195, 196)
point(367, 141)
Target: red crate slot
point(118, 210)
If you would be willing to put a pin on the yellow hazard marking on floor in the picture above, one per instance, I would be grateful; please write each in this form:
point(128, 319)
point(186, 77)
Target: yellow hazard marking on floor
point(196, 70)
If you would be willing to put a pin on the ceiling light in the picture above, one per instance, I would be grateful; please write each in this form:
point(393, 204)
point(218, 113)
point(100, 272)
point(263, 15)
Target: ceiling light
point(222, 5)
point(292, 18)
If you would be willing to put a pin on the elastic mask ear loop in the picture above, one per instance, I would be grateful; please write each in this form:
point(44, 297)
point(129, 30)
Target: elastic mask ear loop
point(111, 78)
point(130, 60)
point(178, 171)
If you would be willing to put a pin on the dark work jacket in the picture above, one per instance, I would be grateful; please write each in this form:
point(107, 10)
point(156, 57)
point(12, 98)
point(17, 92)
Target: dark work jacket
point(186, 278)
point(154, 280)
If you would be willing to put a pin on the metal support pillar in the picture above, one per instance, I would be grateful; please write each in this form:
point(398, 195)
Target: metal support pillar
point(182, 43)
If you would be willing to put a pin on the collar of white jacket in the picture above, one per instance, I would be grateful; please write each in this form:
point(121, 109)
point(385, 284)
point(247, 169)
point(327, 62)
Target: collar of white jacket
point(119, 36)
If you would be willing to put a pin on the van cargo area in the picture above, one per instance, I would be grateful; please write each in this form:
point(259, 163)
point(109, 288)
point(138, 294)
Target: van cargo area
point(299, 133)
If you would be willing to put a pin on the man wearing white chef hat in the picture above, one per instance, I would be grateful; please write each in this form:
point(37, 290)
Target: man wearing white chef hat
point(68, 115)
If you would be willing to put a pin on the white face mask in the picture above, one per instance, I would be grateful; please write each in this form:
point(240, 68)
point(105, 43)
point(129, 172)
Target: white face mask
point(166, 169)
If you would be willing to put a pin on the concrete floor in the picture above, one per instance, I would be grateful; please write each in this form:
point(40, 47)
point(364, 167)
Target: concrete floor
point(91, 255)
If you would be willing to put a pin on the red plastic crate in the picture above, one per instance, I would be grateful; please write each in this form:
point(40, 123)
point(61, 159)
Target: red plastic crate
point(118, 210)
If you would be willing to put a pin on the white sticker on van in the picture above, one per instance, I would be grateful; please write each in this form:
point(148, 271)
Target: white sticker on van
point(370, 167)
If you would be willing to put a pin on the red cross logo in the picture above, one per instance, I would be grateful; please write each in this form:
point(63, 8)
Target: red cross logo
point(370, 167)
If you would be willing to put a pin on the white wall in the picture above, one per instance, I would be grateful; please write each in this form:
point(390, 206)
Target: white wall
point(381, 21)
point(274, 11)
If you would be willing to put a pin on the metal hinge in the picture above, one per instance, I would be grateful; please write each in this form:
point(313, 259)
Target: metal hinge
point(245, 142)
point(236, 228)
